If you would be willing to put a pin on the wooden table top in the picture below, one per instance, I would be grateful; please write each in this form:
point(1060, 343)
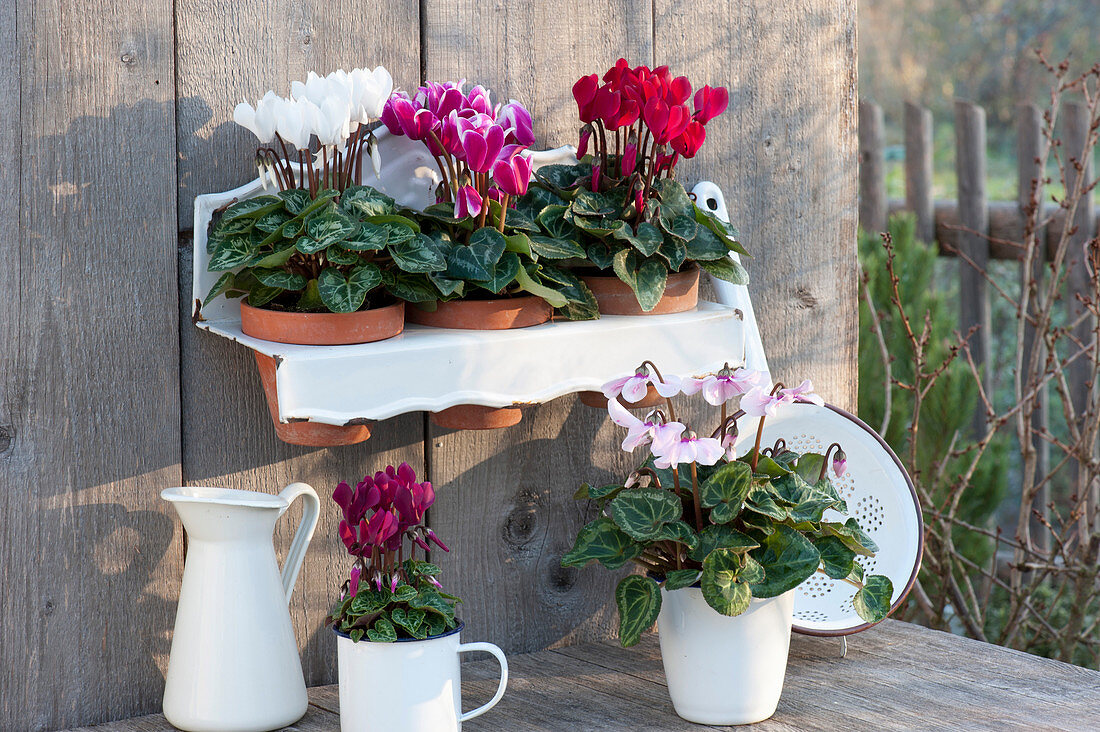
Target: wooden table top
point(896, 676)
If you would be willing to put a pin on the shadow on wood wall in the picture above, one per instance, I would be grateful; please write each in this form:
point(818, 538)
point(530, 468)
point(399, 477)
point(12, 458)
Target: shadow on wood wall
point(115, 115)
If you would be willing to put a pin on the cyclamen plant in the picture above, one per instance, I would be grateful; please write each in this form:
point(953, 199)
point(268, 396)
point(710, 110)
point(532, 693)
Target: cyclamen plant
point(696, 513)
point(475, 237)
point(389, 593)
point(621, 207)
point(322, 241)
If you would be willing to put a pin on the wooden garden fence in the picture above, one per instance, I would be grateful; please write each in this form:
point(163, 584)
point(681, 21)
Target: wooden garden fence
point(114, 114)
point(981, 229)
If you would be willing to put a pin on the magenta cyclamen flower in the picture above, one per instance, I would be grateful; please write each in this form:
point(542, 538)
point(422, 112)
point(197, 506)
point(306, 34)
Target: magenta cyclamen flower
point(513, 174)
point(468, 202)
point(634, 388)
point(723, 386)
point(482, 147)
point(519, 128)
point(681, 446)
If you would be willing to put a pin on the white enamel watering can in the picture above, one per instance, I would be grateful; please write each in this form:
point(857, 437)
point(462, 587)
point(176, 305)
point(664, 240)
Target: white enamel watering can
point(234, 665)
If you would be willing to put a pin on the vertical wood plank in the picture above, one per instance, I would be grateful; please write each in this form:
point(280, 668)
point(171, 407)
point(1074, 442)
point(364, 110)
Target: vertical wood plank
point(786, 155)
point(1029, 142)
point(505, 496)
point(229, 52)
point(974, 218)
point(872, 167)
point(89, 389)
point(1075, 133)
point(918, 169)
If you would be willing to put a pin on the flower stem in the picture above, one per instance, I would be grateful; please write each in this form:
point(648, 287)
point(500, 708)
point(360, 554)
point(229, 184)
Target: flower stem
point(695, 498)
point(503, 212)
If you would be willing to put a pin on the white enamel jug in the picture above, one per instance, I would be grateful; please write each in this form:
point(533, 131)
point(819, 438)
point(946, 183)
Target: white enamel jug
point(234, 665)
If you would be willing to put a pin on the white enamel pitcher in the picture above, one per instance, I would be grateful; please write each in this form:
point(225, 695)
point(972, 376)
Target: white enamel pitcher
point(234, 665)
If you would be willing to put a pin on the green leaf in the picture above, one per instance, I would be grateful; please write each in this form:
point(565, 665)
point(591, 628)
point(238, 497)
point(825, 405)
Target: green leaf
point(272, 221)
point(853, 536)
point(647, 240)
point(872, 601)
point(418, 255)
point(224, 282)
point(591, 204)
point(356, 634)
point(680, 532)
point(382, 631)
point(721, 537)
point(341, 257)
point(528, 284)
point(328, 228)
point(311, 299)
point(277, 258)
point(518, 243)
point(231, 252)
point(674, 197)
point(562, 176)
point(837, 560)
point(788, 559)
point(753, 572)
point(447, 285)
point(260, 295)
point(252, 207)
point(366, 201)
point(404, 593)
point(552, 220)
point(476, 261)
point(346, 294)
point(503, 273)
point(726, 490)
point(726, 269)
point(295, 199)
point(280, 278)
point(625, 264)
point(369, 238)
point(394, 220)
point(678, 579)
point(674, 252)
point(704, 246)
point(726, 233)
point(600, 255)
point(639, 601)
point(720, 583)
point(604, 542)
point(410, 287)
point(686, 230)
point(551, 248)
point(514, 220)
point(641, 512)
point(649, 284)
point(433, 602)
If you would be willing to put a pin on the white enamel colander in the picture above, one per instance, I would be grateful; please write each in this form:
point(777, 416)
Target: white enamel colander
point(879, 495)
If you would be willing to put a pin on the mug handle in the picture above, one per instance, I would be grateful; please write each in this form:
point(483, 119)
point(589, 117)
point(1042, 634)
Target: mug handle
point(499, 654)
point(298, 547)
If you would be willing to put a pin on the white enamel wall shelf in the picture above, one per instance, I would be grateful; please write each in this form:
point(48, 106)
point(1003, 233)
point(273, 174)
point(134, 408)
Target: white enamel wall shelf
point(431, 369)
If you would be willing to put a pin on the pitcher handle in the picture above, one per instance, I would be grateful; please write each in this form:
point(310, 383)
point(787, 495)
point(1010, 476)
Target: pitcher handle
point(503, 661)
point(298, 547)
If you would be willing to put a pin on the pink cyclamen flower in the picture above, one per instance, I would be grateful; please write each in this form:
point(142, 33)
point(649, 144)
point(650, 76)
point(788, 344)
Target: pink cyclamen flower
point(804, 392)
point(596, 177)
point(759, 403)
point(729, 440)
point(482, 147)
point(840, 463)
point(723, 386)
point(513, 174)
point(516, 120)
point(634, 388)
point(639, 431)
point(683, 446)
point(468, 203)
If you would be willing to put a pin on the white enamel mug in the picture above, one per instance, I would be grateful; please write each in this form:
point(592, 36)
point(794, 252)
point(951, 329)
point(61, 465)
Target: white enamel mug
point(408, 685)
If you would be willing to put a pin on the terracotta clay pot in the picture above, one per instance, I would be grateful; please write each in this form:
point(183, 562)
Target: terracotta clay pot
point(316, 329)
point(616, 298)
point(599, 401)
point(323, 329)
point(498, 314)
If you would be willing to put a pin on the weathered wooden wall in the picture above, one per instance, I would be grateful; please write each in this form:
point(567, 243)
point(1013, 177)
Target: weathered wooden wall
point(115, 114)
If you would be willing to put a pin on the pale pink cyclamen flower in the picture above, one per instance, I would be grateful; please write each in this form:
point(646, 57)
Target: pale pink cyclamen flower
point(840, 463)
point(640, 431)
point(634, 388)
point(723, 386)
point(680, 446)
point(804, 392)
